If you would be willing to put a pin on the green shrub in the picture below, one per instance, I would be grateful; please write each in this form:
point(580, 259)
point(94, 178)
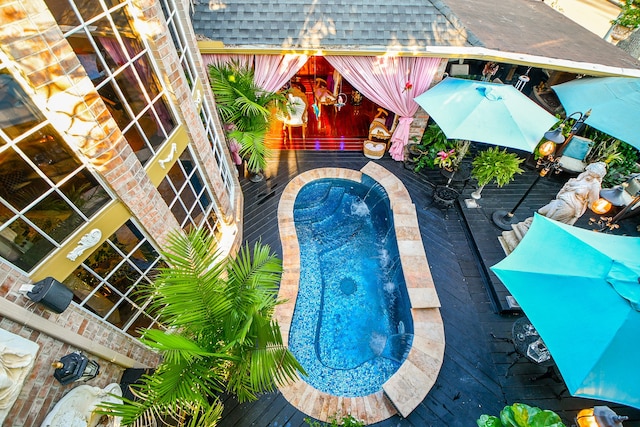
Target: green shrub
point(521, 415)
point(344, 421)
point(496, 165)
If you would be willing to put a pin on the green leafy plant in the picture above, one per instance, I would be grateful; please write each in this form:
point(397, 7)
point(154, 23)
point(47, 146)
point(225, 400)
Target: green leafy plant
point(496, 165)
point(521, 415)
point(335, 421)
point(620, 157)
point(425, 153)
point(221, 334)
point(629, 14)
point(241, 102)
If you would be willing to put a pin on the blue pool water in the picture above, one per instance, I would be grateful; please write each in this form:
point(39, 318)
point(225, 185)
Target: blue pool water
point(352, 326)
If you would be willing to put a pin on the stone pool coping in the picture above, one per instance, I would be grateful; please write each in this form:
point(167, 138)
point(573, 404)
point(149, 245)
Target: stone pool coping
point(404, 391)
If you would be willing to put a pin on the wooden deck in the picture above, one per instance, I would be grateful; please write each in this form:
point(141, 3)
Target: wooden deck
point(473, 379)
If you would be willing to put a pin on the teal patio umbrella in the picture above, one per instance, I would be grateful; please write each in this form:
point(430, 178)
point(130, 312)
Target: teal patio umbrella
point(614, 103)
point(492, 113)
point(580, 290)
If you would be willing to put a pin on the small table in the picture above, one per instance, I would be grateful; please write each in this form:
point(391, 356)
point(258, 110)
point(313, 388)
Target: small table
point(527, 342)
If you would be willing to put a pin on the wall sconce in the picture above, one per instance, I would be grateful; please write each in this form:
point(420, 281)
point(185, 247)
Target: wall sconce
point(50, 293)
point(75, 367)
point(599, 416)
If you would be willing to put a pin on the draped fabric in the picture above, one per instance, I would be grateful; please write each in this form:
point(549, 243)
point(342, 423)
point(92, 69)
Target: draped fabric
point(219, 59)
point(385, 80)
point(271, 72)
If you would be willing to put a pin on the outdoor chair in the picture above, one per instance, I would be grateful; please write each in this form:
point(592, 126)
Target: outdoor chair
point(573, 156)
point(382, 126)
point(380, 131)
point(296, 114)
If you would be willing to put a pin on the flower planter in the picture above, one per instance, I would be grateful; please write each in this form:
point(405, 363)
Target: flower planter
point(620, 32)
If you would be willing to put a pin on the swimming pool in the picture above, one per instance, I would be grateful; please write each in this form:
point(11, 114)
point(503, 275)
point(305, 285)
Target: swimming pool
point(351, 328)
point(409, 385)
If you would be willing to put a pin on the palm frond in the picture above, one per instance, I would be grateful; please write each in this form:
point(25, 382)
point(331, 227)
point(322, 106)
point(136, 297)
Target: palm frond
point(191, 293)
point(176, 347)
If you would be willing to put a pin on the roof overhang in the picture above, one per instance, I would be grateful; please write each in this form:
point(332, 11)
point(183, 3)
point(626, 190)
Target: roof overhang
point(453, 52)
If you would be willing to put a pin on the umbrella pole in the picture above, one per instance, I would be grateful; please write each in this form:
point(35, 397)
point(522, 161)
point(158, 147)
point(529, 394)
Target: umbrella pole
point(505, 220)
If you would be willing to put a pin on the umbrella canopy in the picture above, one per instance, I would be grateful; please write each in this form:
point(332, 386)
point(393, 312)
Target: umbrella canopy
point(614, 103)
point(493, 113)
point(584, 301)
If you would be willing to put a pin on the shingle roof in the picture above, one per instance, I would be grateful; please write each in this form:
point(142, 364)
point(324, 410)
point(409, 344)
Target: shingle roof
point(515, 26)
point(330, 23)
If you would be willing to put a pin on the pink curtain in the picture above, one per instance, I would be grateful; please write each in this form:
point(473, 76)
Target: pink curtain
point(391, 82)
point(273, 71)
point(217, 59)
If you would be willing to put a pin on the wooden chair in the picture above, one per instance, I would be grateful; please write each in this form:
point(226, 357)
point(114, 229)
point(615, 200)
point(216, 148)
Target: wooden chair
point(380, 129)
point(380, 133)
point(296, 114)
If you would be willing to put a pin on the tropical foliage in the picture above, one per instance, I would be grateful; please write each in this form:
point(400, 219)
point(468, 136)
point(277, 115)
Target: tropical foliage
point(425, 153)
point(494, 164)
point(521, 415)
point(335, 421)
point(221, 333)
point(241, 102)
point(629, 14)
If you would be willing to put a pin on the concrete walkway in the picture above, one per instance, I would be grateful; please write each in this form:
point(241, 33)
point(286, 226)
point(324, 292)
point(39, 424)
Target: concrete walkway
point(594, 15)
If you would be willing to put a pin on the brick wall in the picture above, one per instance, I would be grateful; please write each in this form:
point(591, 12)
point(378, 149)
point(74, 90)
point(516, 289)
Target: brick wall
point(41, 391)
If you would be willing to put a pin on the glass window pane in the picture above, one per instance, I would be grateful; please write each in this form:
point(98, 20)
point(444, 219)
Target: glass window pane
point(64, 14)
point(86, 193)
point(20, 185)
point(163, 112)
point(17, 113)
point(51, 214)
point(21, 244)
point(107, 282)
point(114, 104)
point(50, 154)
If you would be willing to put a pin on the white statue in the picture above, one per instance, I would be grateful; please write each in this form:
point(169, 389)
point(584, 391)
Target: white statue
point(576, 195)
point(17, 357)
point(78, 407)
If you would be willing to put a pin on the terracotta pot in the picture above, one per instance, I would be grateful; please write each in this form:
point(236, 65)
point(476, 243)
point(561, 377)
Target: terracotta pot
point(620, 33)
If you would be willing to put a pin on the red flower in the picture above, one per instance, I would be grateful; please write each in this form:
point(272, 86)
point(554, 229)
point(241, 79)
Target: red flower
point(407, 86)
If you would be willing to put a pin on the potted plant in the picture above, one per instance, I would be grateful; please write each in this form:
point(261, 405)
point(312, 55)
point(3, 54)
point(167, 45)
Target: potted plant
point(627, 21)
point(451, 161)
point(496, 165)
point(425, 153)
point(242, 103)
point(521, 415)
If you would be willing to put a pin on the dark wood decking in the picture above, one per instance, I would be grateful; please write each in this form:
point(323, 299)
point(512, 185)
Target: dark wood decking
point(472, 380)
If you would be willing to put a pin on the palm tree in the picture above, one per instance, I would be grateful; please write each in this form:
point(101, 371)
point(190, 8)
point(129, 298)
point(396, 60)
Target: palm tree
point(221, 335)
point(241, 102)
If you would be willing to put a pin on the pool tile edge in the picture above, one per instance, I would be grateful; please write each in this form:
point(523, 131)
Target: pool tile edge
point(401, 393)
